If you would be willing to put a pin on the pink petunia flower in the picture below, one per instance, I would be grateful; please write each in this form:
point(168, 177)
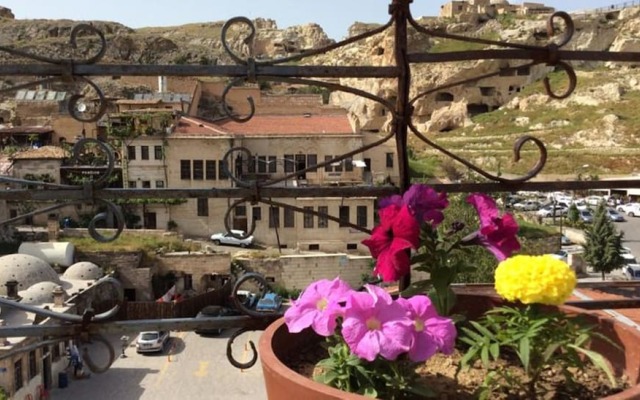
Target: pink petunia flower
point(497, 234)
point(398, 231)
point(431, 332)
point(374, 324)
point(424, 202)
point(318, 307)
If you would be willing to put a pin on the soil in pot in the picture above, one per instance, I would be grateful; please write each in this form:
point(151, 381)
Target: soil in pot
point(439, 373)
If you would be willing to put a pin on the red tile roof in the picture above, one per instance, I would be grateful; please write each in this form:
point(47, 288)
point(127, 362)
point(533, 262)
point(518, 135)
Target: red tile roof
point(270, 125)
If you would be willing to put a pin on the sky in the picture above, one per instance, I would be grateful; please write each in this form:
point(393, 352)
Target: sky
point(334, 16)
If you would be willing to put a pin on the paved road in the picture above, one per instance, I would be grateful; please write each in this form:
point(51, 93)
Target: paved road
point(197, 369)
point(631, 229)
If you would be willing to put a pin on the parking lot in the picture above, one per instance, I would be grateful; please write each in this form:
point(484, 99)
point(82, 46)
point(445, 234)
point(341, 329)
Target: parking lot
point(192, 367)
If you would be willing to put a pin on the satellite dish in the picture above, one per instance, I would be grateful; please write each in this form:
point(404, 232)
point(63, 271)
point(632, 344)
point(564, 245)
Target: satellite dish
point(81, 107)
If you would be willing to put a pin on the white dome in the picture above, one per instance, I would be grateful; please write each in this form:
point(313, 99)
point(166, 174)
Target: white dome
point(27, 270)
point(39, 293)
point(83, 271)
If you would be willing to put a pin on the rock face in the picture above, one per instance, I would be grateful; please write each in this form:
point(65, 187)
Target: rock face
point(5, 13)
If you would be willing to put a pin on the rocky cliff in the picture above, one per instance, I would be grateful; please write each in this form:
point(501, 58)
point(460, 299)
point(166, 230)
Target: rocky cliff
point(463, 115)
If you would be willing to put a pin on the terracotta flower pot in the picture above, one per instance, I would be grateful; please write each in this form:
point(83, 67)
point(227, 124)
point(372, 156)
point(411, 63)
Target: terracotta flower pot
point(281, 382)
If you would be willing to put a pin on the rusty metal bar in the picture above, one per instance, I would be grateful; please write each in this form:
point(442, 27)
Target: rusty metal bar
point(617, 304)
point(541, 55)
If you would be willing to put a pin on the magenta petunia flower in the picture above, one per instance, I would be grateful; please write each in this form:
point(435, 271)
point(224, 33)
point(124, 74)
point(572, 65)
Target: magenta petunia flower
point(424, 202)
point(431, 333)
point(398, 231)
point(497, 234)
point(374, 324)
point(318, 307)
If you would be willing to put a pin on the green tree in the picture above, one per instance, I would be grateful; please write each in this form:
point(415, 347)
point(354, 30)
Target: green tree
point(603, 246)
point(573, 215)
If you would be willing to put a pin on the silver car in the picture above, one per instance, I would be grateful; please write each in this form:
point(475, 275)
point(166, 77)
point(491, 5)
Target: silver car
point(234, 238)
point(152, 341)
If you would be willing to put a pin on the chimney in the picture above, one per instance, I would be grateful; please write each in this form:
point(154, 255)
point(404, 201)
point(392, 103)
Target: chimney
point(58, 297)
point(12, 290)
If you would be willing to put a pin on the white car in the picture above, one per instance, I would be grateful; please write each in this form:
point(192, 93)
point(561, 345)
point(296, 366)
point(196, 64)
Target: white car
point(632, 272)
point(152, 341)
point(631, 209)
point(549, 211)
point(529, 205)
point(561, 255)
point(234, 238)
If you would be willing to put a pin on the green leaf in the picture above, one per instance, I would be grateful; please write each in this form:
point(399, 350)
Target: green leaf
point(470, 354)
point(494, 349)
point(484, 356)
point(472, 334)
point(416, 288)
point(550, 351)
point(484, 331)
point(370, 392)
point(599, 361)
point(524, 352)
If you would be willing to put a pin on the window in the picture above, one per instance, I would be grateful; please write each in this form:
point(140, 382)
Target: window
point(198, 170)
point(323, 222)
point(203, 207)
point(251, 164)
point(185, 169)
point(188, 282)
point(157, 152)
point(344, 215)
point(159, 184)
point(144, 152)
point(133, 184)
point(288, 163)
point(146, 184)
point(257, 213)
point(328, 167)
point(273, 164)
point(348, 164)
point(289, 218)
point(312, 160)
point(262, 164)
point(352, 246)
point(389, 158)
point(314, 247)
point(274, 217)
point(17, 375)
point(241, 211)
point(33, 367)
point(131, 152)
point(308, 218)
point(221, 172)
point(361, 215)
point(210, 170)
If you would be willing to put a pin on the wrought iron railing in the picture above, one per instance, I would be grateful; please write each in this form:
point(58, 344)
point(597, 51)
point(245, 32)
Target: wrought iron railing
point(249, 69)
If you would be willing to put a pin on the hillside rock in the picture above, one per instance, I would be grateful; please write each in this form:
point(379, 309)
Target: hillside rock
point(5, 13)
point(449, 118)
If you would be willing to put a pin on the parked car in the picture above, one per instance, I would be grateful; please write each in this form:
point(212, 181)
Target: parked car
point(213, 311)
point(631, 209)
point(594, 200)
point(565, 241)
point(632, 272)
point(614, 215)
point(585, 216)
point(270, 302)
point(234, 238)
point(528, 205)
point(561, 255)
point(629, 259)
point(152, 341)
point(550, 210)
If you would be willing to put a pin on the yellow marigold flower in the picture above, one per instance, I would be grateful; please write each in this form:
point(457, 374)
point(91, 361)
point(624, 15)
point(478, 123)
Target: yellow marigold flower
point(535, 279)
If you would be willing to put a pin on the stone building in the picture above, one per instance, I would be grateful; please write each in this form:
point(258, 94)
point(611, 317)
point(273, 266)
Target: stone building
point(491, 8)
point(34, 371)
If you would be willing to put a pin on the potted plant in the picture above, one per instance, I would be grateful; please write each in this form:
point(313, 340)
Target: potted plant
point(375, 342)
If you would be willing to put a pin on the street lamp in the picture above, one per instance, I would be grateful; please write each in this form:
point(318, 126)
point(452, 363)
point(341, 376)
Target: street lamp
point(125, 342)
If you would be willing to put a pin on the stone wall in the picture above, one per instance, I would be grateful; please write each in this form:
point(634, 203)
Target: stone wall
point(298, 271)
point(127, 266)
point(199, 266)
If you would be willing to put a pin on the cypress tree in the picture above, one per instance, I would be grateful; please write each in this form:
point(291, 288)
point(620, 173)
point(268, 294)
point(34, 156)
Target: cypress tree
point(603, 246)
